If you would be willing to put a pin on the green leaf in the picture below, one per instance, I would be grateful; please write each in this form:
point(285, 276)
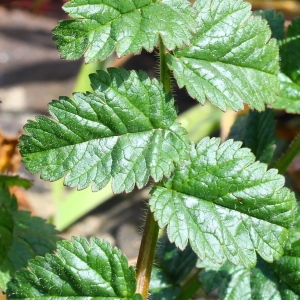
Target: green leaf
point(262, 282)
point(289, 52)
point(6, 224)
point(289, 97)
point(288, 266)
point(174, 265)
point(235, 282)
point(225, 204)
point(127, 26)
point(231, 60)
point(175, 262)
point(257, 131)
point(10, 180)
point(275, 21)
point(23, 237)
point(289, 42)
point(162, 287)
point(126, 130)
point(288, 270)
point(79, 270)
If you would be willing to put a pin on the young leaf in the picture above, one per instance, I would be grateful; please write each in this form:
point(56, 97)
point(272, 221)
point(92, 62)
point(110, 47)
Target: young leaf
point(92, 270)
point(127, 26)
point(225, 204)
point(231, 60)
point(257, 131)
point(126, 130)
point(25, 237)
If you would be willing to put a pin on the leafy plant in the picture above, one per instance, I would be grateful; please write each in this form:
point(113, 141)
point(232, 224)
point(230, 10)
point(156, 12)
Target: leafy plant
point(219, 202)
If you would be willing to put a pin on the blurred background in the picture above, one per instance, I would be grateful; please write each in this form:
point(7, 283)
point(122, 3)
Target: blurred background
point(32, 74)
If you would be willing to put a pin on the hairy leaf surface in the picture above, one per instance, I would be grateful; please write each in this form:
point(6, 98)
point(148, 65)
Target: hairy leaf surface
point(79, 270)
point(24, 237)
point(126, 26)
point(225, 204)
point(257, 131)
point(231, 60)
point(126, 130)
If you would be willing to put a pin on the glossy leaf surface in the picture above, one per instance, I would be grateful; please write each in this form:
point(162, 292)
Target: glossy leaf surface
point(231, 60)
point(225, 204)
point(289, 97)
point(235, 282)
point(102, 26)
point(79, 270)
point(279, 280)
point(287, 267)
point(125, 131)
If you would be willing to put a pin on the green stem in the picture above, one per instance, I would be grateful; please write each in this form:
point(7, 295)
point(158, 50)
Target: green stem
point(146, 255)
point(164, 72)
point(190, 288)
point(151, 229)
point(285, 160)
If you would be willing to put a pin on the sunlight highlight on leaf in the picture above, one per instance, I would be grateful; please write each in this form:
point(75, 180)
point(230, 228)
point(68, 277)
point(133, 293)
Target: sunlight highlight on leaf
point(225, 204)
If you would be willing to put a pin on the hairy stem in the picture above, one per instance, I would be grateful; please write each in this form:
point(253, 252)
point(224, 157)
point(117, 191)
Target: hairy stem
point(146, 255)
point(164, 72)
point(190, 287)
point(151, 229)
point(285, 160)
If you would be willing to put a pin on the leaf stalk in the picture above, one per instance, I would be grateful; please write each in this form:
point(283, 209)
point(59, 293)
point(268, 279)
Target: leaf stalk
point(285, 160)
point(164, 71)
point(151, 229)
point(146, 255)
point(190, 287)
